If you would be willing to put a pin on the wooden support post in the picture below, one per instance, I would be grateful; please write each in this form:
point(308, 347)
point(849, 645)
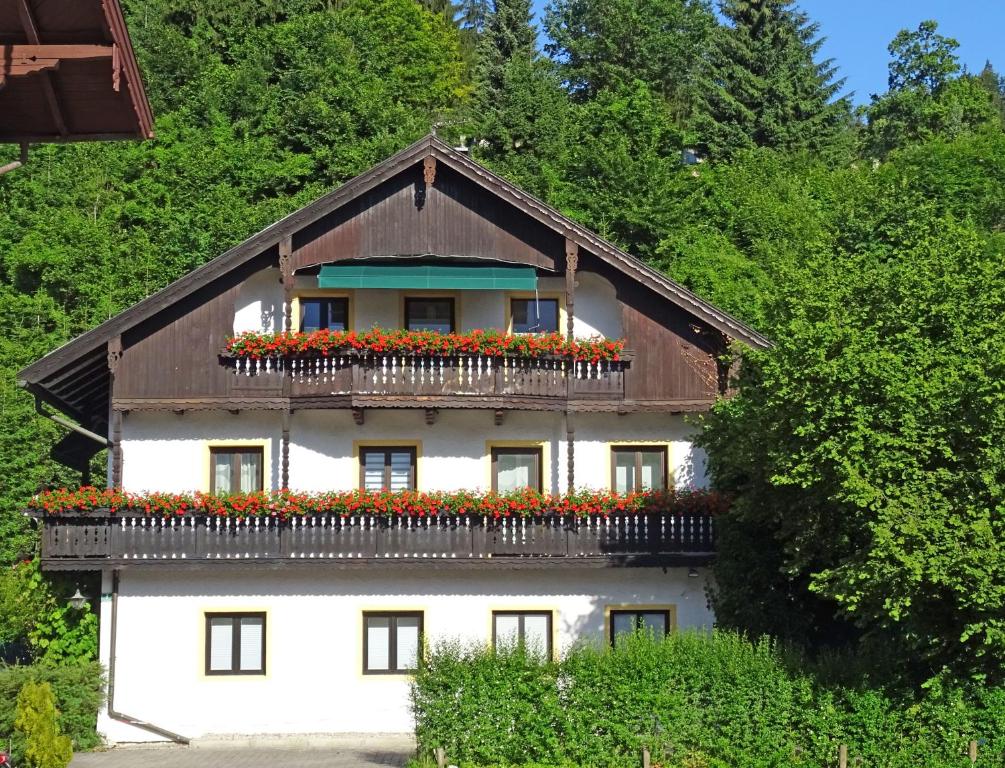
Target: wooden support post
point(115, 417)
point(285, 463)
point(842, 756)
point(571, 265)
point(570, 446)
point(286, 276)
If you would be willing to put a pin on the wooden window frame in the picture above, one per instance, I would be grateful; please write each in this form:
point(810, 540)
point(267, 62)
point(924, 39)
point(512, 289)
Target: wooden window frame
point(494, 455)
point(235, 650)
point(521, 632)
point(392, 640)
point(638, 450)
point(558, 314)
point(453, 309)
point(387, 450)
point(637, 612)
point(302, 300)
point(235, 472)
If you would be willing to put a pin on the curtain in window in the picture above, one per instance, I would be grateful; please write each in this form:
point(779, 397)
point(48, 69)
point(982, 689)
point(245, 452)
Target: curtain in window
point(223, 465)
point(515, 471)
point(251, 468)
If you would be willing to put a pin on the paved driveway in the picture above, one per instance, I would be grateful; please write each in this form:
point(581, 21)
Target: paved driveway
point(390, 751)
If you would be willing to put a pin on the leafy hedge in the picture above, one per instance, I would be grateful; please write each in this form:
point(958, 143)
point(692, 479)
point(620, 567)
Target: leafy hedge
point(694, 700)
point(79, 690)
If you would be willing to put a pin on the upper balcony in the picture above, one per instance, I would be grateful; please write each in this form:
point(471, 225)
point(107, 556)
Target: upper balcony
point(478, 370)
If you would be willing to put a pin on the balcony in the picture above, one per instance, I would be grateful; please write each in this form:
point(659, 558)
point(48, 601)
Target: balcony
point(102, 539)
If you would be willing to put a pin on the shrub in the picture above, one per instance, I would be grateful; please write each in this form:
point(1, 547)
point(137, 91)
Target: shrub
point(79, 693)
point(696, 701)
point(36, 722)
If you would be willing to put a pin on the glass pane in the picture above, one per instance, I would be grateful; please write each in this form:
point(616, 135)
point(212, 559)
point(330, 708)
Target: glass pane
point(223, 464)
point(516, 470)
point(535, 316)
point(408, 642)
point(251, 471)
point(535, 633)
point(624, 471)
point(252, 628)
point(338, 314)
point(655, 622)
point(378, 643)
point(507, 630)
point(221, 638)
point(310, 314)
point(401, 470)
point(652, 470)
point(623, 624)
point(373, 470)
point(430, 315)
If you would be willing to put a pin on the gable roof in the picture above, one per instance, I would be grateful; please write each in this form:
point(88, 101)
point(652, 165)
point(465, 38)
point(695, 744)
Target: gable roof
point(84, 356)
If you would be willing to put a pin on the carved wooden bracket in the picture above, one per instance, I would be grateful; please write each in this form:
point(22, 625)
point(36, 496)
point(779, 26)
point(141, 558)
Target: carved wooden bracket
point(358, 415)
point(571, 256)
point(114, 354)
point(429, 170)
point(499, 415)
point(286, 259)
point(431, 414)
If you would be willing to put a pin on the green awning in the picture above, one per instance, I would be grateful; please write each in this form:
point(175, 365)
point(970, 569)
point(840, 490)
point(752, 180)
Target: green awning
point(435, 276)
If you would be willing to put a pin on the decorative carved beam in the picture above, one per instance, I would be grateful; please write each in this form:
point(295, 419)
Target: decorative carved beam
point(570, 445)
point(114, 350)
point(31, 32)
point(286, 276)
point(571, 264)
point(285, 463)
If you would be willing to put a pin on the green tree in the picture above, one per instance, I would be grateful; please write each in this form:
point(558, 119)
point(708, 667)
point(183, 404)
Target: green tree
point(608, 44)
point(37, 724)
point(765, 87)
point(922, 59)
point(994, 84)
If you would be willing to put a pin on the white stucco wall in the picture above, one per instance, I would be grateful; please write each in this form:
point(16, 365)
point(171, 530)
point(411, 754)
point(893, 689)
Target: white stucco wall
point(259, 305)
point(314, 681)
point(168, 452)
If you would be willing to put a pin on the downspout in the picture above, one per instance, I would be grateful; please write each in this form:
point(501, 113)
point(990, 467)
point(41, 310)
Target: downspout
point(40, 408)
point(123, 718)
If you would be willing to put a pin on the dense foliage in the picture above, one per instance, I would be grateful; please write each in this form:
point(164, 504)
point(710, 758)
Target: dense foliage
point(692, 699)
point(37, 725)
point(863, 450)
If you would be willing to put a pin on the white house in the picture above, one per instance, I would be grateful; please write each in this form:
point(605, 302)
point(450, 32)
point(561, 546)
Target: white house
point(220, 620)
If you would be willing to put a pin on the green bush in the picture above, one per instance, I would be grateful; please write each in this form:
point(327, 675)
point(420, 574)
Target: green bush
point(38, 726)
point(79, 690)
point(695, 701)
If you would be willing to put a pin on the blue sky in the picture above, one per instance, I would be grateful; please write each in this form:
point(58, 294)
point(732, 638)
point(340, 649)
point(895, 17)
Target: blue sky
point(858, 32)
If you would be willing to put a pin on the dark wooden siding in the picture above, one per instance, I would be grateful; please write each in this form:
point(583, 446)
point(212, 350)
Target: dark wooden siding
point(457, 218)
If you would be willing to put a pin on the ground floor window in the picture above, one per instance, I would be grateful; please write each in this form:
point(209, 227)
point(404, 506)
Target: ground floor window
point(235, 643)
point(630, 620)
point(530, 629)
point(638, 468)
point(391, 642)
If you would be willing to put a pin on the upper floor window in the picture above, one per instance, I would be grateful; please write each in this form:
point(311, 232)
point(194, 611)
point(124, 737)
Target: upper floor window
point(426, 314)
point(638, 468)
point(387, 469)
point(330, 313)
point(514, 469)
point(236, 470)
point(534, 315)
point(235, 643)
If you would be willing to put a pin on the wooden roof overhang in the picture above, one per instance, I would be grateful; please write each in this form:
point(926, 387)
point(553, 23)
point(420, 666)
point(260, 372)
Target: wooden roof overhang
point(68, 73)
point(75, 377)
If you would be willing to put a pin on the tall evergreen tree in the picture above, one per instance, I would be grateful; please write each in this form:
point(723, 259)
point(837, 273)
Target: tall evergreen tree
point(766, 87)
point(507, 36)
point(994, 84)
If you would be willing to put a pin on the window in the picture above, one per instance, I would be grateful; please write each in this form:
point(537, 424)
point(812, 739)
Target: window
point(531, 629)
point(514, 469)
point(325, 313)
point(534, 315)
point(638, 468)
point(387, 469)
point(626, 622)
point(429, 315)
point(391, 642)
point(236, 470)
point(235, 643)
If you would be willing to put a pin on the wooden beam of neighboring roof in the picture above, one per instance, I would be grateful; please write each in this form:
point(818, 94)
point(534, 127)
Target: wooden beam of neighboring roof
point(31, 32)
point(20, 60)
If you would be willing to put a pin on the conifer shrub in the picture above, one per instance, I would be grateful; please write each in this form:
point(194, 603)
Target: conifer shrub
point(44, 746)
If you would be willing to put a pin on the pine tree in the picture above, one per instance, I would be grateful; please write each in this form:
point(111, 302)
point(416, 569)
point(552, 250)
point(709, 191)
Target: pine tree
point(767, 89)
point(507, 36)
point(995, 85)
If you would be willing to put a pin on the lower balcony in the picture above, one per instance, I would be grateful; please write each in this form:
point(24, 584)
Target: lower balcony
point(101, 539)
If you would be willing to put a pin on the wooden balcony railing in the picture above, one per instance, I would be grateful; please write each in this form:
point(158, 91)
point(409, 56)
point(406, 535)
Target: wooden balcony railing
point(379, 375)
point(88, 541)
